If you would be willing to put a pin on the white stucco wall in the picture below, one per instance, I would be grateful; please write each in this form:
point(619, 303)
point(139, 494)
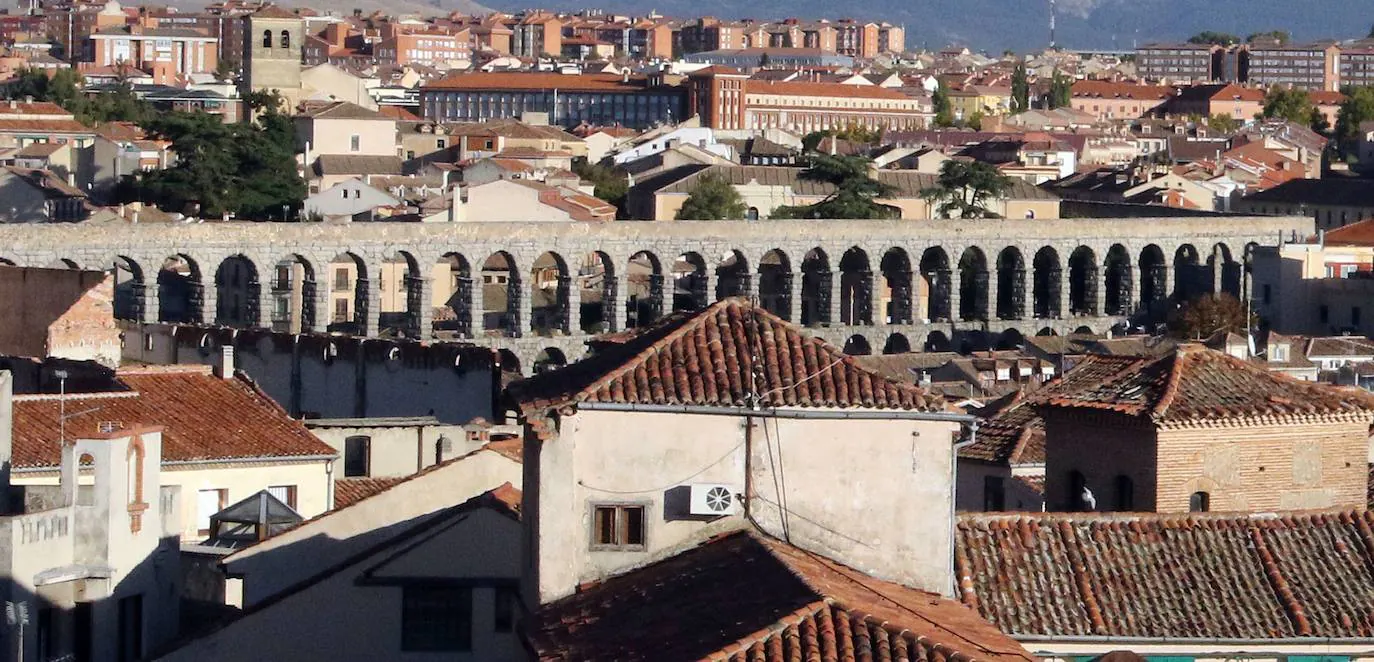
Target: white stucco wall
point(288, 558)
point(478, 548)
point(875, 495)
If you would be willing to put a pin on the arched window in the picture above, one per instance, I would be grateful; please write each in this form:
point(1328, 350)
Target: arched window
point(1125, 494)
point(266, 38)
point(285, 39)
point(357, 455)
point(1030, 213)
point(1200, 502)
point(753, 213)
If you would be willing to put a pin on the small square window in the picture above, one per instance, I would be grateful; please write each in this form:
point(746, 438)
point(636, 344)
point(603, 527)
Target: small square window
point(618, 527)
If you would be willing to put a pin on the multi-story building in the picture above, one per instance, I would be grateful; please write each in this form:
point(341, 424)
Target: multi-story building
point(167, 53)
point(891, 38)
point(1314, 66)
point(1357, 64)
point(70, 25)
point(709, 33)
point(856, 39)
point(225, 27)
point(636, 102)
point(536, 35)
point(1179, 62)
point(431, 49)
point(725, 99)
point(1108, 100)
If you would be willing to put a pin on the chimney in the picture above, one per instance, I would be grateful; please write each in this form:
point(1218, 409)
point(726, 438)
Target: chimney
point(225, 368)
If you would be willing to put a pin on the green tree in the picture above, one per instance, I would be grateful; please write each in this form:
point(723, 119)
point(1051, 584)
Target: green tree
point(1224, 124)
point(964, 189)
point(1061, 90)
point(1293, 105)
point(1020, 89)
point(1357, 108)
point(944, 113)
point(610, 183)
point(247, 168)
point(712, 199)
point(854, 191)
point(1208, 314)
point(974, 121)
point(1217, 38)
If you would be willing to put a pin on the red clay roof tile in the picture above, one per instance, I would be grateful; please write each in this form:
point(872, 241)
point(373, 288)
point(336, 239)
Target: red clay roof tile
point(729, 354)
point(205, 419)
point(1199, 576)
point(797, 605)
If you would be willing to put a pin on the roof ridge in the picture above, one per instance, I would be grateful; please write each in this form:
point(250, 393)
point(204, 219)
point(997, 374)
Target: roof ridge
point(1184, 352)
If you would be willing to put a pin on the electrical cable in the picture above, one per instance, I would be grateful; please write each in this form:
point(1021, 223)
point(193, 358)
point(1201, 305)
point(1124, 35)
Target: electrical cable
point(672, 484)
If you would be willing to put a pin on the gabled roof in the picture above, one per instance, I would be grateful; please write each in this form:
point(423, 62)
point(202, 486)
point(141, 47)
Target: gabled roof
point(342, 110)
point(1194, 383)
point(205, 418)
point(1013, 432)
point(357, 164)
point(745, 596)
point(731, 354)
point(1184, 576)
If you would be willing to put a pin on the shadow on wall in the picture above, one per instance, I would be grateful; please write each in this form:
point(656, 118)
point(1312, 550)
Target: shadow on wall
point(20, 202)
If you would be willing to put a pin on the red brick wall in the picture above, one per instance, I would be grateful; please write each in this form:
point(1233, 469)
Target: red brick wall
point(58, 312)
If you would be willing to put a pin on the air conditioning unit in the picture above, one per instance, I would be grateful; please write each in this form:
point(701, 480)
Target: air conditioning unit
point(712, 500)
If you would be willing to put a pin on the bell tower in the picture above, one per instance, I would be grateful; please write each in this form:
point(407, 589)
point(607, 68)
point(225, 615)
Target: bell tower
point(273, 43)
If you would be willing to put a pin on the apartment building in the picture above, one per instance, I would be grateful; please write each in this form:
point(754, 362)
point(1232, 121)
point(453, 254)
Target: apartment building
point(167, 52)
point(1357, 64)
point(535, 35)
point(1179, 62)
point(604, 99)
point(431, 49)
point(1313, 66)
point(725, 99)
point(1108, 100)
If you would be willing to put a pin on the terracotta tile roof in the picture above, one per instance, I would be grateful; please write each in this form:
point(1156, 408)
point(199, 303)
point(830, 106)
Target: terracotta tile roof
point(1013, 431)
point(357, 164)
point(348, 491)
point(708, 358)
point(1101, 89)
point(797, 606)
point(205, 419)
point(1346, 346)
point(398, 113)
point(342, 110)
point(1194, 383)
point(43, 126)
point(1247, 576)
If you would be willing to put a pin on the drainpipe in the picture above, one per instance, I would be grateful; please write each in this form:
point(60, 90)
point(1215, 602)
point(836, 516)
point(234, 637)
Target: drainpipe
point(953, 496)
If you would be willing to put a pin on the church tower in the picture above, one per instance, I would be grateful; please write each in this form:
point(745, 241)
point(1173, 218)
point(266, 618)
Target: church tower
point(273, 41)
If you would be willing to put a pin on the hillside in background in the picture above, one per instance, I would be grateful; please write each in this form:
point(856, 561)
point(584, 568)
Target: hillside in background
point(1023, 25)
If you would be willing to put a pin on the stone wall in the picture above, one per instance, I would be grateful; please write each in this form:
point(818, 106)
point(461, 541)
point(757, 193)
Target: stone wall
point(63, 313)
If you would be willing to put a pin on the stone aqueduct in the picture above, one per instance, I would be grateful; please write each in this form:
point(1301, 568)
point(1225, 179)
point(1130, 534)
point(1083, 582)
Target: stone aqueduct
point(539, 291)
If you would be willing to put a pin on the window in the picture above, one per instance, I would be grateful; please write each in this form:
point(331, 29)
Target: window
point(1323, 314)
point(209, 502)
point(340, 279)
point(1355, 316)
point(357, 455)
point(284, 493)
point(341, 310)
point(1199, 502)
point(994, 494)
point(618, 527)
point(410, 155)
point(506, 601)
point(1125, 494)
point(266, 38)
point(1078, 490)
point(440, 143)
point(285, 39)
point(355, 143)
point(436, 618)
